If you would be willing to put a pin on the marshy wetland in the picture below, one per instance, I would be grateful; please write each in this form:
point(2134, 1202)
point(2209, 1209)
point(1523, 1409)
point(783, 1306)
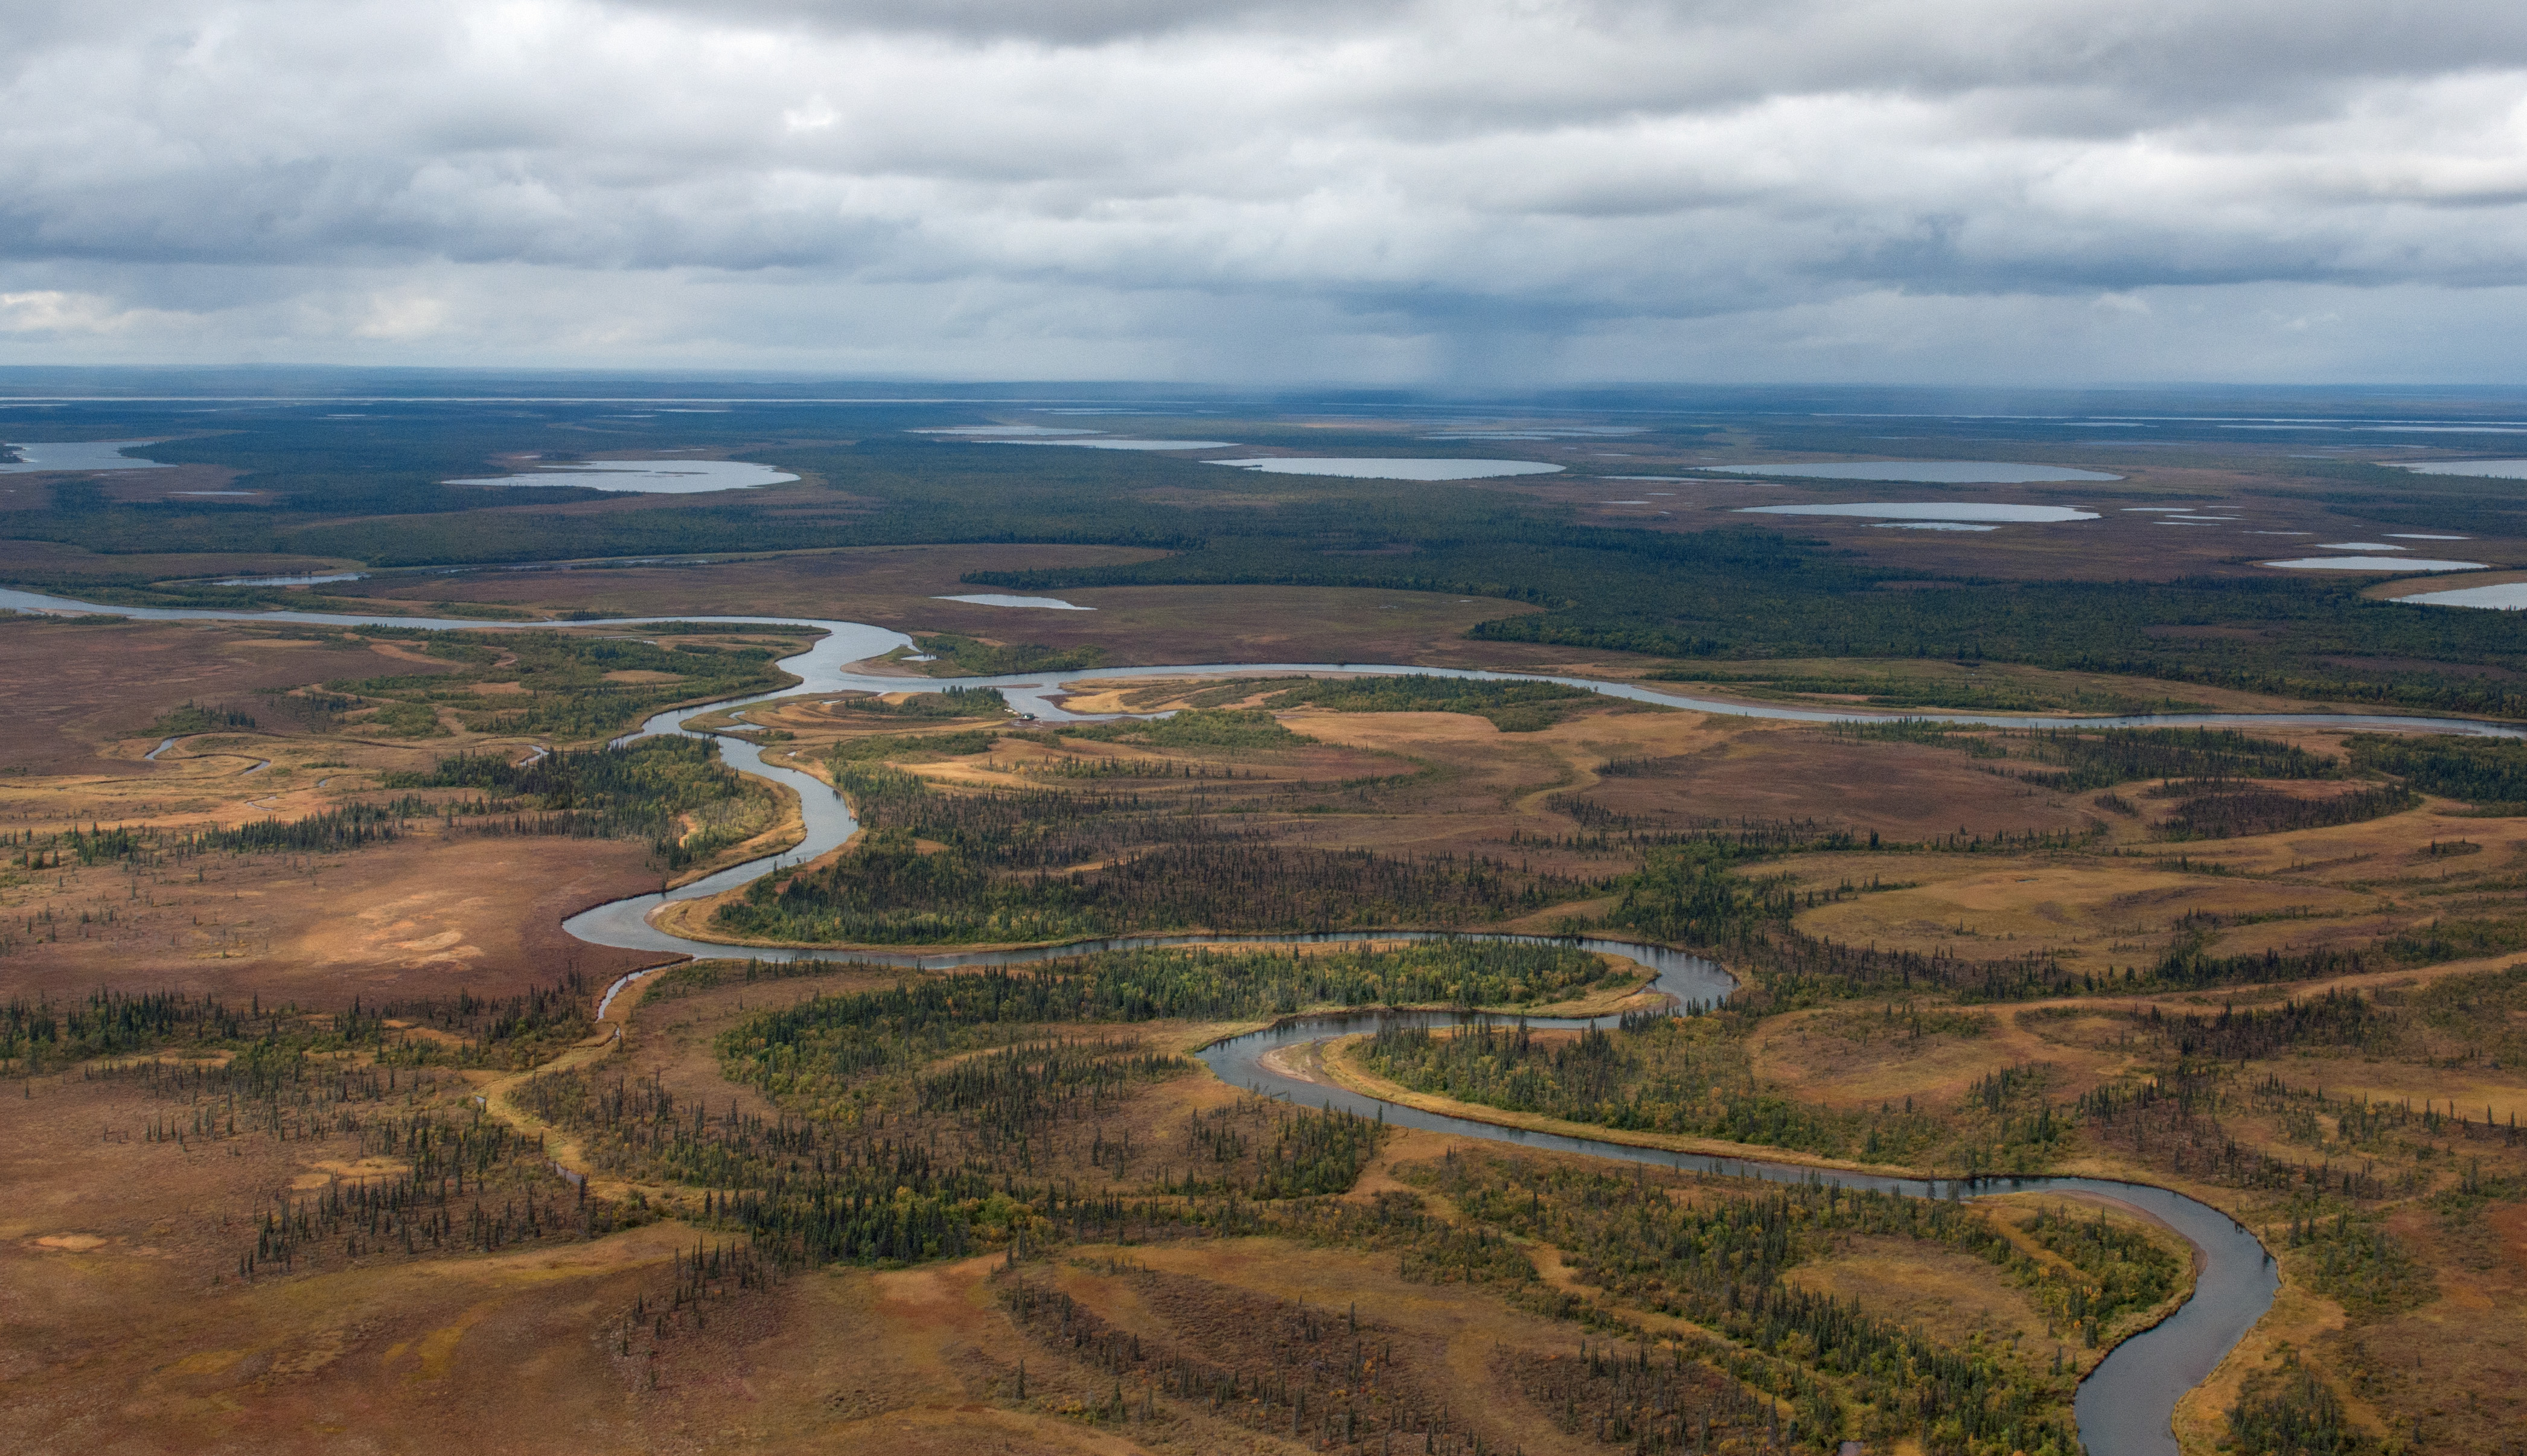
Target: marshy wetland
point(763, 997)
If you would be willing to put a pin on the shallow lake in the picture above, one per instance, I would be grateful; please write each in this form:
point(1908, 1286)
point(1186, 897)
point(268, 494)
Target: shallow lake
point(77, 454)
point(1931, 510)
point(1119, 443)
point(994, 598)
point(2500, 597)
point(1547, 432)
point(1921, 472)
point(1398, 468)
point(646, 477)
point(309, 580)
point(2372, 564)
point(2507, 470)
point(1004, 430)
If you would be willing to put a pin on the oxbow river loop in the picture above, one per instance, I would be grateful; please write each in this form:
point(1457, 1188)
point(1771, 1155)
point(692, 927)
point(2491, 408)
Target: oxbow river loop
point(2125, 1407)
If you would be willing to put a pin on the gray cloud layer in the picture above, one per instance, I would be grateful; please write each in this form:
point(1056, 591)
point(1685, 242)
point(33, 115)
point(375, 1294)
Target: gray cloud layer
point(1496, 189)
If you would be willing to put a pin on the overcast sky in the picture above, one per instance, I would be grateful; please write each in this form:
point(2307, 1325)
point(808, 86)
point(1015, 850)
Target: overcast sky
point(1471, 192)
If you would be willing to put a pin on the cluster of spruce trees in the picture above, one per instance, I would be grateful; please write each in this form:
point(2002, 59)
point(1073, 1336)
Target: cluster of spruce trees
point(494, 1031)
point(634, 791)
point(1721, 1261)
point(942, 868)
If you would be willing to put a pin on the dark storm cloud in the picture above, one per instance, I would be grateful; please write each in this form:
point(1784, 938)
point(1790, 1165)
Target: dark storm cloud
point(995, 187)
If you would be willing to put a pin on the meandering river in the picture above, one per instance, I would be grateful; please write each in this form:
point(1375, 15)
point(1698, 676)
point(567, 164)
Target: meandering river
point(2123, 1409)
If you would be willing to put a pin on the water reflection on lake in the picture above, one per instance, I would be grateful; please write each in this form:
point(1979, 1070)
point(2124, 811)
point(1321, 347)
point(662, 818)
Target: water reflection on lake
point(646, 477)
point(308, 580)
point(2500, 597)
point(1120, 442)
point(1920, 471)
point(1933, 510)
point(996, 599)
point(77, 454)
point(1395, 468)
point(2372, 564)
point(2506, 470)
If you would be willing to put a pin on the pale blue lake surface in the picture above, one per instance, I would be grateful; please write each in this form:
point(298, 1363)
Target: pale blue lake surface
point(1119, 443)
point(644, 477)
point(1920, 471)
point(1398, 468)
point(2506, 470)
point(2503, 597)
point(1934, 510)
point(77, 454)
point(996, 599)
point(2373, 563)
point(1011, 430)
point(308, 580)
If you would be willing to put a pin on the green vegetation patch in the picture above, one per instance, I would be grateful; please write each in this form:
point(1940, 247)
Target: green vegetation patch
point(2357, 1263)
point(1041, 865)
point(2489, 774)
point(1727, 1262)
point(201, 718)
point(402, 720)
point(2230, 814)
point(1695, 1077)
point(1900, 690)
point(2292, 1412)
point(564, 690)
point(510, 1031)
point(2127, 1269)
point(965, 656)
point(817, 1046)
point(2074, 761)
point(947, 702)
point(1512, 708)
point(1196, 728)
point(913, 1116)
point(880, 747)
point(643, 789)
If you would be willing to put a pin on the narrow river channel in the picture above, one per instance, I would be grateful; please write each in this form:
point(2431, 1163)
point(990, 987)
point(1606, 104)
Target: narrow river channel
point(2123, 1409)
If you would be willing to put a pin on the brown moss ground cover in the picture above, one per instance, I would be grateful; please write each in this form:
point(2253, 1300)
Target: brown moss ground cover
point(1845, 1064)
point(1152, 1387)
point(1216, 820)
point(1120, 1140)
point(90, 690)
point(1695, 1080)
